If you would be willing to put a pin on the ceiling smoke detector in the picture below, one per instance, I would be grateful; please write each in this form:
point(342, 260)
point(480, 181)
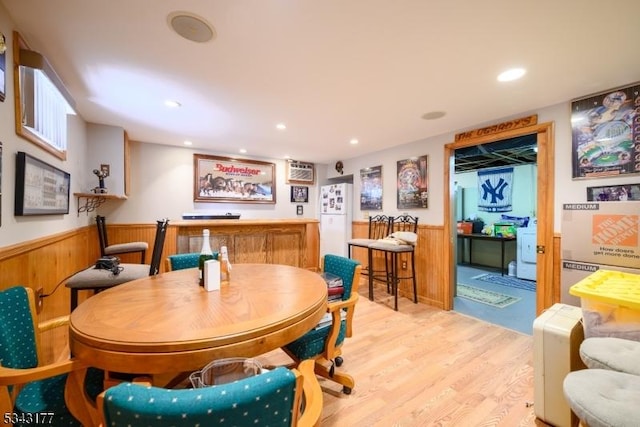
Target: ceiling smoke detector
point(191, 27)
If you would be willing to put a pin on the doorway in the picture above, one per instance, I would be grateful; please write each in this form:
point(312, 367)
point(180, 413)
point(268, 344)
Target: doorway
point(494, 283)
point(544, 200)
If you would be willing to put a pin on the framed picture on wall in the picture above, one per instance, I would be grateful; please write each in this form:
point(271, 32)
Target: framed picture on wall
point(371, 189)
point(299, 194)
point(223, 179)
point(606, 134)
point(41, 189)
point(614, 193)
point(3, 68)
point(412, 183)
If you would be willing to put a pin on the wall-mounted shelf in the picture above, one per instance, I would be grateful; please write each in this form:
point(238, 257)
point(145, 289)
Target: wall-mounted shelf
point(93, 200)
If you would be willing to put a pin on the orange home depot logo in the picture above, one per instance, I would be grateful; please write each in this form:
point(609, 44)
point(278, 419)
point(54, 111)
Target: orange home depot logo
point(615, 230)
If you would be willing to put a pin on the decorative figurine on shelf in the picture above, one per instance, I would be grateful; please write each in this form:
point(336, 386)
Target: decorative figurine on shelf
point(100, 189)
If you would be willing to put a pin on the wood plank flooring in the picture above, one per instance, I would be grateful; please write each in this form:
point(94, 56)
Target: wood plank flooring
point(422, 366)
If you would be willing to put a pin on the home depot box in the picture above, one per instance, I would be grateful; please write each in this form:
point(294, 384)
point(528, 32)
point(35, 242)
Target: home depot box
point(573, 271)
point(602, 233)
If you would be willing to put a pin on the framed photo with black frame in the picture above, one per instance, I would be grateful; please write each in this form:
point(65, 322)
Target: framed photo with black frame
point(299, 194)
point(41, 189)
point(606, 134)
point(614, 193)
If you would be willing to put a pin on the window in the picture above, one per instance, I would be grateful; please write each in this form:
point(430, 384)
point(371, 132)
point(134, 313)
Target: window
point(43, 103)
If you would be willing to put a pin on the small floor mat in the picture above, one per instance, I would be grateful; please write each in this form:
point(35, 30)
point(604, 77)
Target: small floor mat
point(494, 299)
point(512, 282)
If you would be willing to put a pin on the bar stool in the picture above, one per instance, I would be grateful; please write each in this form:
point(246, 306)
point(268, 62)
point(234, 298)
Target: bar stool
point(379, 226)
point(402, 240)
point(119, 248)
point(101, 279)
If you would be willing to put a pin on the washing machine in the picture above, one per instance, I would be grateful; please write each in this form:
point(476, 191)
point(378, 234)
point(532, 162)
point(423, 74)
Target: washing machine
point(526, 251)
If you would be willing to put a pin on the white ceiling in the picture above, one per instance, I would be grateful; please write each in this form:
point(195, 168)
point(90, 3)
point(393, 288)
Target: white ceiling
point(332, 70)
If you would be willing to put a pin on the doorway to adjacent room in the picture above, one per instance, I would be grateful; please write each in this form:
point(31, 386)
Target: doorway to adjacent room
point(497, 284)
point(543, 139)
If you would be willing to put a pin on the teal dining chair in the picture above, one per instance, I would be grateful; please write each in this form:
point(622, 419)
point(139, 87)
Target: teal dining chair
point(27, 386)
point(279, 397)
point(323, 344)
point(182, 261)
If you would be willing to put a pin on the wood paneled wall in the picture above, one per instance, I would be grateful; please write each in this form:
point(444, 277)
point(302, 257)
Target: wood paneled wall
point(47, 262)
point(429, 264)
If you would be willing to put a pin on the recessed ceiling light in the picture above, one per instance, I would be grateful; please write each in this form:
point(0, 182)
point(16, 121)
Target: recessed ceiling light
point(281, 126)
point(433, 115)
point(188, 142)
point(243, 150)
point(172, 104)
point(353, 141)
point(512, 74)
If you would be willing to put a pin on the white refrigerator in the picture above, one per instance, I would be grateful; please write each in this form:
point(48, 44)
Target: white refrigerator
point(335, 218)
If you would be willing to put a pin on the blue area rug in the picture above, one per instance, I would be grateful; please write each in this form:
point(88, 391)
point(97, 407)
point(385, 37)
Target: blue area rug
point(512, 282)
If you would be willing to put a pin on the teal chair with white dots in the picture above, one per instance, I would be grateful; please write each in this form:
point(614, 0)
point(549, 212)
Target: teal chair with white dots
point(32, 393)
point(182, 261)
point(280, 397)
point(324, 343)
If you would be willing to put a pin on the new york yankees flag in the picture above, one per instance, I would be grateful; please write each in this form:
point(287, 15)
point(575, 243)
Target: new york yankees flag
point(495, 189)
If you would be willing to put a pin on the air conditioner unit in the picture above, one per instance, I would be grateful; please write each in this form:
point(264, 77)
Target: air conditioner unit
point(557, 335)
point(300, 172)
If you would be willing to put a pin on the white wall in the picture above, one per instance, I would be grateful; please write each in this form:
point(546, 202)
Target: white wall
point(566, 189)
point(15, 229)
point(162, 176)
point(162, 186)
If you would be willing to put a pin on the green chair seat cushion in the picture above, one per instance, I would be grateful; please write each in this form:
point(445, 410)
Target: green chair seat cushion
point(47, 396)
point(262, 400)
point(312, 343)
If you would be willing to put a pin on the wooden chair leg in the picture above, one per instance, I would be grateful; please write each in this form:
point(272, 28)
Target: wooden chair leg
point(77, 400)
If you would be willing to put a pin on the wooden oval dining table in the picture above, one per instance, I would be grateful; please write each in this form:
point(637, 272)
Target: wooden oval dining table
point(168, 323)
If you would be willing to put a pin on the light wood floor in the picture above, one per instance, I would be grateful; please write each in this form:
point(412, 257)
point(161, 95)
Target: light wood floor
point(422, 366)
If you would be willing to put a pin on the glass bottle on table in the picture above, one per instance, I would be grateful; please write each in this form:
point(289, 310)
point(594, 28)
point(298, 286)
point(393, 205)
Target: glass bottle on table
point(205, 254)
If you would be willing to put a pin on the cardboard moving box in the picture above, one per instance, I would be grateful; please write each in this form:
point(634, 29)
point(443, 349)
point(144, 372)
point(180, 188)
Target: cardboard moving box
point(602, 233)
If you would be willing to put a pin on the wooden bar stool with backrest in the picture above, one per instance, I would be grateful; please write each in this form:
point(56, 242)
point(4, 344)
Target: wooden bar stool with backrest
point(119, 248)
point(402, 240)
point(99, 279)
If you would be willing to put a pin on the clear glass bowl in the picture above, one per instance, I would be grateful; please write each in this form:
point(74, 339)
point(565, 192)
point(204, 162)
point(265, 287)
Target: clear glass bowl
point(225, 371)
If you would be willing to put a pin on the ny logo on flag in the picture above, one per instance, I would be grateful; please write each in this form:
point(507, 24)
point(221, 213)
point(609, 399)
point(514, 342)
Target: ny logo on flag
point(495, 187)
point(496, 192)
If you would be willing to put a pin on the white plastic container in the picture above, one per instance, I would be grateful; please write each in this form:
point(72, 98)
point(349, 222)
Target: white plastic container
point(225, 371)
point(512, 269)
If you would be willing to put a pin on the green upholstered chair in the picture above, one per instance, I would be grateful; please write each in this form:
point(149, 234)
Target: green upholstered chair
point(182, 261)
point(324, 344)
point(27, 386)
point(273, 398)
